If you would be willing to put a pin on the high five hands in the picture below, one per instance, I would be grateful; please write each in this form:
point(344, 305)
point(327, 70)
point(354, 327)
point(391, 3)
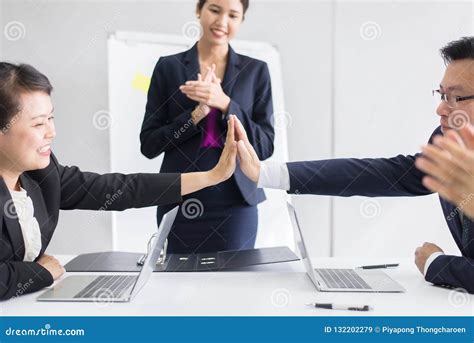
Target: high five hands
point(237, 145)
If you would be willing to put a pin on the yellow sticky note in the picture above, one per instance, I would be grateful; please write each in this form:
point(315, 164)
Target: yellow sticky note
point(141, 82)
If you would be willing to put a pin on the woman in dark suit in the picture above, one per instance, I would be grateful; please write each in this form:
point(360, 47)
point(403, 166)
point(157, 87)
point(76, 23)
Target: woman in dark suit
point(186, 114)
point(34, 186)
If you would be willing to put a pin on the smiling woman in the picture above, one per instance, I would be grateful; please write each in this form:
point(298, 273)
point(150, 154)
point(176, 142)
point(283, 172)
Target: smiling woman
point(198, 89)
point(34, 186)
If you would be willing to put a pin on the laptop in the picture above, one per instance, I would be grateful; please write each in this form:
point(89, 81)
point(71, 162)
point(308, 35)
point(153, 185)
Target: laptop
point(112, 288)
point(342, 280)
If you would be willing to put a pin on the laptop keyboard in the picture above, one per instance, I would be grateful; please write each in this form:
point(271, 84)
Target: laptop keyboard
point(342, 278)
point(107, 286)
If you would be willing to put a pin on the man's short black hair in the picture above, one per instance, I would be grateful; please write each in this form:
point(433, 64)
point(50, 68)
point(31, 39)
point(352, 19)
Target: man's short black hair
point(460, 49)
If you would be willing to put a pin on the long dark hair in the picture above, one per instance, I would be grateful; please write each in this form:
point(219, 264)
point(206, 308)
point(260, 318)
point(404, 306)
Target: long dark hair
point(15, 80)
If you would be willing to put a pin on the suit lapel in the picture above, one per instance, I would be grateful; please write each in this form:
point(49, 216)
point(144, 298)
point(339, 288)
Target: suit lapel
point(231, 72)
point(191, 63)
point(11, 222)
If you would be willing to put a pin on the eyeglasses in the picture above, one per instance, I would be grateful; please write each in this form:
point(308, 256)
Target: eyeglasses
point(451, 100)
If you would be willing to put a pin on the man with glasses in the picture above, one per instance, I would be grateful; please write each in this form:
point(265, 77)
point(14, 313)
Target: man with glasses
point(397, 176)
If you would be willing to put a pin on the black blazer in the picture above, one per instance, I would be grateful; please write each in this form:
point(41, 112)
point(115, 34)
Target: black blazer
point(167, 126)
point(395, 176)
point(57, 187)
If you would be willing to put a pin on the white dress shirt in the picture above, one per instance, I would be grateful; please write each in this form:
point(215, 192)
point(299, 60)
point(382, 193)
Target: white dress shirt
point(28, 224)
point(275, 175)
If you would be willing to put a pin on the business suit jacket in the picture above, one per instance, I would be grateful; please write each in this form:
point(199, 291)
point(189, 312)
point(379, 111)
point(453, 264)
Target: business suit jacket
point(58, 187)
point(395, 176)
point(167, 126)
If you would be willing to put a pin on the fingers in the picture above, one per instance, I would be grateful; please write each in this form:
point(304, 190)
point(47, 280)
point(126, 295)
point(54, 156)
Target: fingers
point(459, 156)
point(230, 130)
point(438, 171)
point(244, 155)
point(467, 135)
point(445, 192)
point(195, 84)
point(455, 137)
point(209, 73)
point(241, 134)
point(441, 164)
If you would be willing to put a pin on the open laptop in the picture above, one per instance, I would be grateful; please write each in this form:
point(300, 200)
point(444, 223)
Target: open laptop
point(342, 280)
point(112, 288)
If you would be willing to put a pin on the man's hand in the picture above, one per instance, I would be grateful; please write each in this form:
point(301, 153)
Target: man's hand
point(449, 163)
point(249, 161)
point(52, 265)
point(423, 253)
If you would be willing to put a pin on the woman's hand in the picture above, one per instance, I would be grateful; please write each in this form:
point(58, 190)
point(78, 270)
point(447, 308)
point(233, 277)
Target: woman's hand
point(52, 265)
point(449, 163)
point(227, 162)
point(249, 161)
point(192, 182)
point(208, 91)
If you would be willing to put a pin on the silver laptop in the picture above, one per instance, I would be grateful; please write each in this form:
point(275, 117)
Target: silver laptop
point(112, 288)
point(342, 280)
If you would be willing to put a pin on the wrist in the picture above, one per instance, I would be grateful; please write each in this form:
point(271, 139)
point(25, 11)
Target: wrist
point(257, 174)
point(225, 104)
point(211, 178)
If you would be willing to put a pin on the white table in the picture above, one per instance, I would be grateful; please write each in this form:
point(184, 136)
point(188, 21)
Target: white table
point(271, 290)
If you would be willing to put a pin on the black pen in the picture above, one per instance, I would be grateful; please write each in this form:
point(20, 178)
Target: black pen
point(379, 266)
point(342, 307)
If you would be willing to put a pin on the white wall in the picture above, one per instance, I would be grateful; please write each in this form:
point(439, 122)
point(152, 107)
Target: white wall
point(325, 72)
point(387, 63)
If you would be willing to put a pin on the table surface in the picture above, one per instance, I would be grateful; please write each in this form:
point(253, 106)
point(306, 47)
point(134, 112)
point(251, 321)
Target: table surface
point(281, 289)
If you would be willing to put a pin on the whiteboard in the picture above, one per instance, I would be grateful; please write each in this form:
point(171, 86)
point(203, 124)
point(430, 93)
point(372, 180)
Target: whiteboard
point(131, 59)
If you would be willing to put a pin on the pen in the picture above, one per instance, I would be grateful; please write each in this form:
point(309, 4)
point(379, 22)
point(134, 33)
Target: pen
point(378, 266)
point(341, 307)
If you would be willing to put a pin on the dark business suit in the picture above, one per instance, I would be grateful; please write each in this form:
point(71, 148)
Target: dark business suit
point(395, 176)
point(167, 127)
point(67, 188)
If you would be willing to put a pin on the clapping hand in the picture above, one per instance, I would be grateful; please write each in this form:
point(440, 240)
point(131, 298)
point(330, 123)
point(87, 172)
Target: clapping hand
point(449, 165)
point(207, 91)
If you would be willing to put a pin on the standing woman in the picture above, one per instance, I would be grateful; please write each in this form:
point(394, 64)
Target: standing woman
point(190, 99)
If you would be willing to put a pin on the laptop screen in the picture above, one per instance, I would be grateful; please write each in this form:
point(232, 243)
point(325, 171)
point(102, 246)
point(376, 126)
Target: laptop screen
point(301, 246)
point(155, 249)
